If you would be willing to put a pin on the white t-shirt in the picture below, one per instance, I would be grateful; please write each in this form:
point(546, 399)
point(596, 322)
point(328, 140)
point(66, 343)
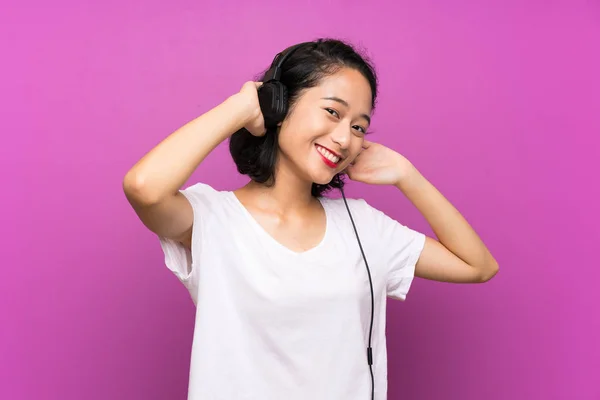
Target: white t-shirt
point(273, 324)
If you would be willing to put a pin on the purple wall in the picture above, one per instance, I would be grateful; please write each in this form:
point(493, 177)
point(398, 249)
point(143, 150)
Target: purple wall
point(497, 103)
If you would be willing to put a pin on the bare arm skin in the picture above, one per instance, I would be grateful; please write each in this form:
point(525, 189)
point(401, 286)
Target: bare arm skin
point(152, 185)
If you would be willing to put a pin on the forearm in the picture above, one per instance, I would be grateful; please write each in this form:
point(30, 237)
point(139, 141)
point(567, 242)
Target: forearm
point(450, 227)
point(164, 169)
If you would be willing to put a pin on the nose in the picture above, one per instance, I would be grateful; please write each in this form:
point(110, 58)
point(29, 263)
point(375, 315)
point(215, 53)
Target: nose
point(341, 136)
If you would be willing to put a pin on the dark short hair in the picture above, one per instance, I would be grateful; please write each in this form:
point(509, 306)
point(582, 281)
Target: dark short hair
point(305, 68)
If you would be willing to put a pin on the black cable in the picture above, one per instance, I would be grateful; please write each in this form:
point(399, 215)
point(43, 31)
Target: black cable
point(369, 348)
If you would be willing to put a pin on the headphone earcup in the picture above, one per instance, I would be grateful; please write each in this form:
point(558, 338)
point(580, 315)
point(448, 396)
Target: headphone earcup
point(273, 100)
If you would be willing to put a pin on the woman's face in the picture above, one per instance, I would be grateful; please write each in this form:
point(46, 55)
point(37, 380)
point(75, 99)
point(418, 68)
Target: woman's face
point(324, 131)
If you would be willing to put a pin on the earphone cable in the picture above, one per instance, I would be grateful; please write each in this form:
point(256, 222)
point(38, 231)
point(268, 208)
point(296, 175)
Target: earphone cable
point(369, 348)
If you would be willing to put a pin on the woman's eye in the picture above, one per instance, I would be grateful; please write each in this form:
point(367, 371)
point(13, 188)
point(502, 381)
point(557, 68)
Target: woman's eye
point(332, 112)
point(360, 128)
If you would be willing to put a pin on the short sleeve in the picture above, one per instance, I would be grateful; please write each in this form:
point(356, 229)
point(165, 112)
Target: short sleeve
point(181, 261)
point(401, 248)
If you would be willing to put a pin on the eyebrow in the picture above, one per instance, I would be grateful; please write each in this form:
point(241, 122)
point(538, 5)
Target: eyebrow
point(345, 103)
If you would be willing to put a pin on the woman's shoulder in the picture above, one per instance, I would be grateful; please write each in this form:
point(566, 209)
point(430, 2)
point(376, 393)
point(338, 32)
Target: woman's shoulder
point(204, 193)
point(362, 211)
point(358, 202)
point(358, 207)
point(203, 188)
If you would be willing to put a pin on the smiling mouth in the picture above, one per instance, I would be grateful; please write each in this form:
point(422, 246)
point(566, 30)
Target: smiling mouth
point(329, 157)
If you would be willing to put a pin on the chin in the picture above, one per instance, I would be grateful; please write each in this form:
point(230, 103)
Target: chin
point(319, 171)
point(322, 181)
point(322, 178)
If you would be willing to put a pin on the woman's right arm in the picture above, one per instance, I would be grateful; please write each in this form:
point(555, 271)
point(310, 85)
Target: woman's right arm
point(152, 185)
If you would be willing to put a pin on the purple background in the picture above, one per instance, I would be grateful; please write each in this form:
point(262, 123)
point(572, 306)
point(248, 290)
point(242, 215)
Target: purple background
point(497, 103)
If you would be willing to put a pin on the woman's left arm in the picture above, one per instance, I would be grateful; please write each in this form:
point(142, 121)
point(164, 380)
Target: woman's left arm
point(459, 256)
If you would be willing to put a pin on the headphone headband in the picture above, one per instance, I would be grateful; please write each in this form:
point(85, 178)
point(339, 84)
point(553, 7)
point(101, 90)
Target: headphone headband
point(275, 72)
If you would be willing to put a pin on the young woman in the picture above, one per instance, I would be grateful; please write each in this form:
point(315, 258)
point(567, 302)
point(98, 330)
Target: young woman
point(290, 298)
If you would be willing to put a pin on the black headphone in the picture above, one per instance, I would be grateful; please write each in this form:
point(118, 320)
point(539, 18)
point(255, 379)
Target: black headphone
point(273, 100)
point(272, 94)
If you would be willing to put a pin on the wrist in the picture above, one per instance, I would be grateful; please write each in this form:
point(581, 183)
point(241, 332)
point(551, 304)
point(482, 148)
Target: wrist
point(409, 178)
point(242, 110)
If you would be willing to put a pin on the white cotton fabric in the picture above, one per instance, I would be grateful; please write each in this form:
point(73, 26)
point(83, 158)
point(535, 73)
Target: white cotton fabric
point(273, 324)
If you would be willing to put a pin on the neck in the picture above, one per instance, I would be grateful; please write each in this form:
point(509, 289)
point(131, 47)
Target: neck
point(289, 193)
